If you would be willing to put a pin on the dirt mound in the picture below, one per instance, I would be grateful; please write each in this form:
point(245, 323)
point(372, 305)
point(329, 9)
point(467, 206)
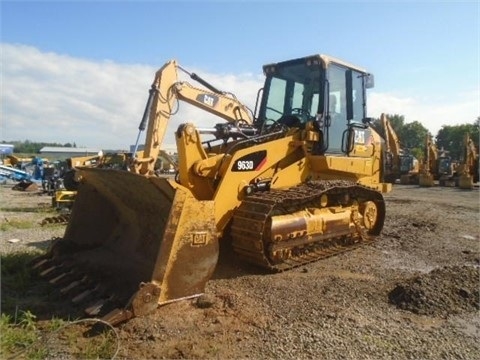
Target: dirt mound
point(441, 292)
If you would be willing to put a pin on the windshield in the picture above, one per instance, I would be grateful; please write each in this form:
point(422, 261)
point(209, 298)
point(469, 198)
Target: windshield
point(302, 90)
point(293, 90)
point(444, 166)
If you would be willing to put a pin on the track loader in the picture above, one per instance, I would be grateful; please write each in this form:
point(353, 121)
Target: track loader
point(292, 182)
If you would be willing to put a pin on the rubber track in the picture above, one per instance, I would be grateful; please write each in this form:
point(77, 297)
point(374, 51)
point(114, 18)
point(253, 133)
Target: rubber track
point(250, 222)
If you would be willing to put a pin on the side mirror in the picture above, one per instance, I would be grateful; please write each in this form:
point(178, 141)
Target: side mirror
point(368, 120)
point(369, 81)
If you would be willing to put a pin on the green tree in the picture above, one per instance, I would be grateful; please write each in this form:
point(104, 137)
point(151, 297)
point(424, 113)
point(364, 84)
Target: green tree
point(450, 138)
point(410, 135)
point(413, 135)
point(29, 147)
point(397, 122)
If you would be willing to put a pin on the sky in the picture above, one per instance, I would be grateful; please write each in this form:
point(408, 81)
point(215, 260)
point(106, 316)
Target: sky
point(79, 71)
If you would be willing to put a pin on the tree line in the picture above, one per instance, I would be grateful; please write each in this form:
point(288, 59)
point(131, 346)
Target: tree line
point(412, 136)
point(31, 147)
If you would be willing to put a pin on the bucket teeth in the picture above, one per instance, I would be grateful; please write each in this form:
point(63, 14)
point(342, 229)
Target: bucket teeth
point(117, 316)
point(49, 270)
point(73, 285)
point(54, 270)
point(95, 308)
point(85, 294)
point(98, 305)
point(63, 277)
point(41, 263)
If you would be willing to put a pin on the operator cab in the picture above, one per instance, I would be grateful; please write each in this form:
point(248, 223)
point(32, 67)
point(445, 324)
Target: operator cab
point(326, 91)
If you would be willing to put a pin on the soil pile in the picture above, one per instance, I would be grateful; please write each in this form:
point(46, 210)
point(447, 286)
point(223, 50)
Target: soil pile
point(441, 292)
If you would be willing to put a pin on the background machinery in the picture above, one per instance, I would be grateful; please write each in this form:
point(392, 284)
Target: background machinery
point(409, 169)
point(437, 165)
point(64, 190)
point(393, 151)
point(28, 172)
point(400, 164)
point(468, 169)
point(288, 186)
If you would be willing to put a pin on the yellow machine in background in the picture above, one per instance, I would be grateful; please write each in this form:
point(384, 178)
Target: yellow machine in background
point(392, 151)
point(437, 165)
point(400, 164)
point(300, 181)
point(429, 165)
point(64, 198)
point(409, 169)
point(469, 167)
point(108, 160)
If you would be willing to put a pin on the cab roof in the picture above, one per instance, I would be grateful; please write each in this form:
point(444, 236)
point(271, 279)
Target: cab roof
point(325, 60)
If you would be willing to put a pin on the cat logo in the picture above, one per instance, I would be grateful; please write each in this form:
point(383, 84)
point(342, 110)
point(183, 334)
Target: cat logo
point(207, 99)
point(199, 238)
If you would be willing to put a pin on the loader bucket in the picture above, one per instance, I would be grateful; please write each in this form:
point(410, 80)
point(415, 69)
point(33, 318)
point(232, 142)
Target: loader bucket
point(465, 181)
point(426, 180)
point(133, 242)
point(25, 185)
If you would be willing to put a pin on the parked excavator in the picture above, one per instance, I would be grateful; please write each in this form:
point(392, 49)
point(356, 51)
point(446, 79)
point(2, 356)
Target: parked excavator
point(469, 168)
point(437, 165)
point(292, 182)
point(400, 164)
point(393, 151)
point(409, 169)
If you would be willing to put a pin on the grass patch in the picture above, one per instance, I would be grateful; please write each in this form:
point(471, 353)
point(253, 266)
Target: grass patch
point(27, 334)
point(17, 224)
point(17, 279)
point(18, 337)
point(54, 339)
point(28, 209)
point(16, 273)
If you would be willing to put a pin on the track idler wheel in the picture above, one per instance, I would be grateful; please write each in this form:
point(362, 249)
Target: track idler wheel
point(373, 216)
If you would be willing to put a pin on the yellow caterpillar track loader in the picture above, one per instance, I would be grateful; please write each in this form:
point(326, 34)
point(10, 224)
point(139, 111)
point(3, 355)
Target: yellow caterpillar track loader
point(298, 179)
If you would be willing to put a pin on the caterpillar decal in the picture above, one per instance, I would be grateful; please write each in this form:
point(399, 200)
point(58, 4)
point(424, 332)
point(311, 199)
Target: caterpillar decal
point(250, 162)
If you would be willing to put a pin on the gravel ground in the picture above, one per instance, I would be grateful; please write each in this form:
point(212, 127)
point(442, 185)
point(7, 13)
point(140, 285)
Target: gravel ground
point(414, 294)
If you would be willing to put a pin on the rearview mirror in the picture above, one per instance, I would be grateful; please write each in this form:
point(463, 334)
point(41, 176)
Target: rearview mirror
point(369, 81)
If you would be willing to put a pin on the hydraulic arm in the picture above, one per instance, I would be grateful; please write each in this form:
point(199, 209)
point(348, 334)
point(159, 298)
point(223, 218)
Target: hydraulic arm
point(164, 94)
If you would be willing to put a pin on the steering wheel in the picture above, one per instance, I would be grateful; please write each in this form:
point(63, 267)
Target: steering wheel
point(303, 114)
point(300, 111)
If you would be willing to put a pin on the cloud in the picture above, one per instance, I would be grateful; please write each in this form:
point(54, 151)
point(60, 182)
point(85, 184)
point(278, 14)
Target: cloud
point(432, 111)
point(48, 97)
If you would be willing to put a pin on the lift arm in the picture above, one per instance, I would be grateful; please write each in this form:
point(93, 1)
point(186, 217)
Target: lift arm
point(392, 146)
point(162, 103)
